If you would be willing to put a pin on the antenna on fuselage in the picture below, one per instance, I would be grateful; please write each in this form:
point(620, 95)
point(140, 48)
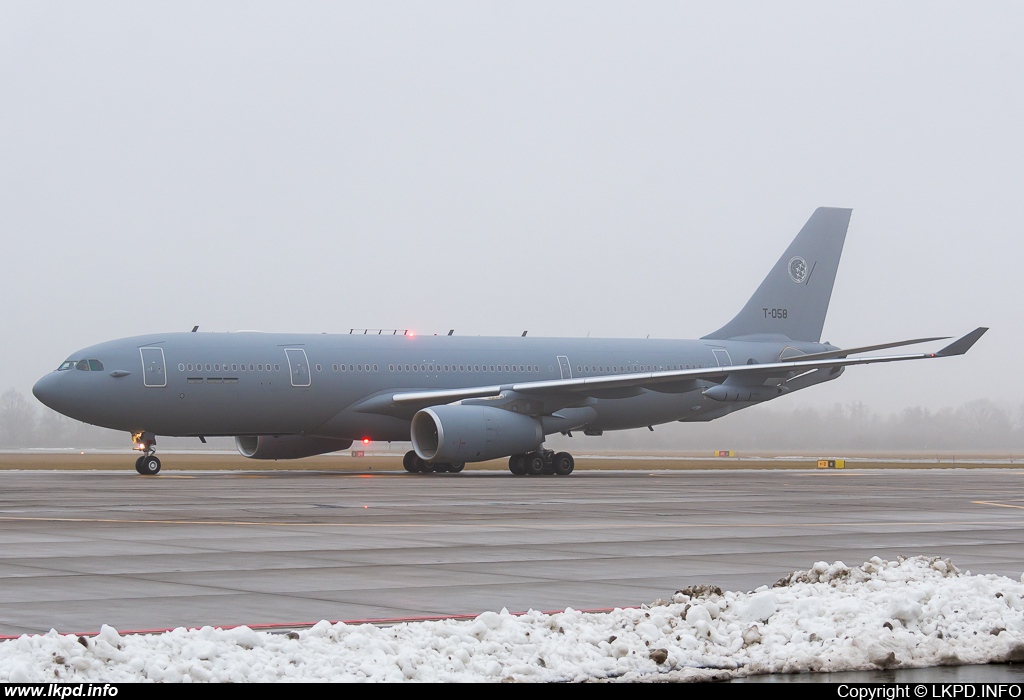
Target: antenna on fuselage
point(524, 334)
point(195, 328)
point(451, 332)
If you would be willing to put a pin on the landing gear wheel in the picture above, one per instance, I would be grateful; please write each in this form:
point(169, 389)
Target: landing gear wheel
point(425, 467)
point(138, 465)
point(534, 464)
point(515, 465)
point(148, 466)
point(411, 462)
point(563, 463)
point(456, 467)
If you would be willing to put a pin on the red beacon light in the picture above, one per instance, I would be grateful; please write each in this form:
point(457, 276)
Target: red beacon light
point(366, 441)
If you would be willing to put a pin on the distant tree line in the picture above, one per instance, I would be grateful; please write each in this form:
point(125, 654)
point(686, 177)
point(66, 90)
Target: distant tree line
point(978, 427)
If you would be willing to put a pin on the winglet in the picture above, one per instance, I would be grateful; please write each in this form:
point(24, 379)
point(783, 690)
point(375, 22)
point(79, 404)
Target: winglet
point(959, 347)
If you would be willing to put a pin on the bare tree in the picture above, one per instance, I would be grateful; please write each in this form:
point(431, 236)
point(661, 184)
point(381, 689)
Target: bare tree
point(17, 420)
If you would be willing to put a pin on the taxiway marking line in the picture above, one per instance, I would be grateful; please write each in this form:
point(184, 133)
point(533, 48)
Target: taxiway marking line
point(522, 526)
point(1000, 505)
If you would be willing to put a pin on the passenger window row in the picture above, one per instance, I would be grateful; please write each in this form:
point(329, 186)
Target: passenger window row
point(429, 368)
point(199, 366)
point(631, 368)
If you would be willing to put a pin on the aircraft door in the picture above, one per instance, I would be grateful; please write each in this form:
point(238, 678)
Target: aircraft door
point(564, 367)
point(154, 369)
point(298, 366)
point(722, 357)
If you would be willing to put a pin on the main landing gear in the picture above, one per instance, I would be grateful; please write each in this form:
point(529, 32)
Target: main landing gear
point(414, 465)
point(541, 462)
point(148, 464)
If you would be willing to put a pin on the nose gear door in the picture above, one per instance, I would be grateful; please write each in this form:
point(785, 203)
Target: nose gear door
point(154, 369)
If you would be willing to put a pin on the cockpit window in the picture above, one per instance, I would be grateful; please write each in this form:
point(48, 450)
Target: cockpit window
point(70, 364)
point(83, 365)
point(95, 365)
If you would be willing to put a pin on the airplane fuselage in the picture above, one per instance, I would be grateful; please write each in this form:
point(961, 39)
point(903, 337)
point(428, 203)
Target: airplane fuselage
point(211, 384)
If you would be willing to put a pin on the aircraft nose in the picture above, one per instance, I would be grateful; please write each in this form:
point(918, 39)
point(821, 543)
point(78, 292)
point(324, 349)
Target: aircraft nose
point(48, 391)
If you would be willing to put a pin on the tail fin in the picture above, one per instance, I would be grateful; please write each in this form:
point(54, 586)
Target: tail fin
point(793, 299)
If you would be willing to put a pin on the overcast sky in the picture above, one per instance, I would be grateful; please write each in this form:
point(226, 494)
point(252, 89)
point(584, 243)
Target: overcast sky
point(617, 169)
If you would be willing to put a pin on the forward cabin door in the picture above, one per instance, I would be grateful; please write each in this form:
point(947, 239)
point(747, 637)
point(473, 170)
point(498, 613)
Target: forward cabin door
point(154, 369)
point(298, 366)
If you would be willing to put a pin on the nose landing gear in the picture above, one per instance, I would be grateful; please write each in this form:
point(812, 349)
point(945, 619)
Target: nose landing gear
point(148, 464)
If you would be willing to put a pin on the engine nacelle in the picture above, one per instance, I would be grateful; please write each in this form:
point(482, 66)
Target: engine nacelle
point(287, 446)
point(472, 433)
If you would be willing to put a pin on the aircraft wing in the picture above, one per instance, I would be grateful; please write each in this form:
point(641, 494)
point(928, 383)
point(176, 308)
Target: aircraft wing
point(583, 385)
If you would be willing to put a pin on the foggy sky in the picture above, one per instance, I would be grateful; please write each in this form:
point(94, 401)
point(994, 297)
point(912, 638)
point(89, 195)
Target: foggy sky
point(617, 169)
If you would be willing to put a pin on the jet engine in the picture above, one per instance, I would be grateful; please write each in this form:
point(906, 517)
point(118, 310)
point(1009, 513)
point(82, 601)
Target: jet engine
point(472, 433)
point(287, 446)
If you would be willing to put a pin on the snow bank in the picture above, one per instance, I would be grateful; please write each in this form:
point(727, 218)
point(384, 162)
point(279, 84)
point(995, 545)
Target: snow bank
point(907, 613)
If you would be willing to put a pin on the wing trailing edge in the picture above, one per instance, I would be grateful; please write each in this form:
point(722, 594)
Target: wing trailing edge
point(785, 369)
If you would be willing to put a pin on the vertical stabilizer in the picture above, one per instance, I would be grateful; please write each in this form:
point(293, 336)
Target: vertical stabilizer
point(793, 299)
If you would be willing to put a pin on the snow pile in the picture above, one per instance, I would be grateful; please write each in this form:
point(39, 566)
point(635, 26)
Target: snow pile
point(910, 612)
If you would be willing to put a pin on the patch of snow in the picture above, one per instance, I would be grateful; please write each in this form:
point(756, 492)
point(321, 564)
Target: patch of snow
point(912, 612)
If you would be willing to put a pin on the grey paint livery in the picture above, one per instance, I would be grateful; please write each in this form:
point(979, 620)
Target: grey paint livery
point(308, 394)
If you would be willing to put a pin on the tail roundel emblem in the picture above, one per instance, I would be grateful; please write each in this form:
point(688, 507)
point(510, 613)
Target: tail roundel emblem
point(797, 269)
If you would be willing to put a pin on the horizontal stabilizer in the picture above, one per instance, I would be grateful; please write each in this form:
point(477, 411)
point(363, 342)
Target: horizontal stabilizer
point(959, 347)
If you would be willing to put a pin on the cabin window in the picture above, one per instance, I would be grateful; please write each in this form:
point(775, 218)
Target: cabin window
point(82, 365)
point(318, 368)
point(181, 367)
point(95, 365)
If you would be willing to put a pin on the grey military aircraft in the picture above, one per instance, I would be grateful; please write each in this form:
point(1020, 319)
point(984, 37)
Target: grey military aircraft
point(467, 399)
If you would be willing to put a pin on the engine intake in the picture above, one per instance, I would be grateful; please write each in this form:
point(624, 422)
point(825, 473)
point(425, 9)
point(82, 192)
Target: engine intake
point(287, 446)
point(472, 433)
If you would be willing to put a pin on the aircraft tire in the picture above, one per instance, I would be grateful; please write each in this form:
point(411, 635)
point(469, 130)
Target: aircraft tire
point(409, 461)
point(534, 464)
point(563, 463)
point(425, 467)
point(149, 466)
point(516, 466)
point(456, 467)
